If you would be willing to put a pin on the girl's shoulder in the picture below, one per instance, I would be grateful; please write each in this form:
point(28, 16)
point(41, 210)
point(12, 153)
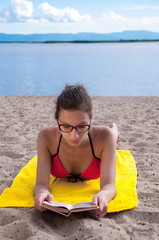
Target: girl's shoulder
point(49, 137)
point(48, 132)
point(101, 137)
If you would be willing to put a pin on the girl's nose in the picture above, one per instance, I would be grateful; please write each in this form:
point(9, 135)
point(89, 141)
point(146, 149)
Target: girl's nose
point(74, 134)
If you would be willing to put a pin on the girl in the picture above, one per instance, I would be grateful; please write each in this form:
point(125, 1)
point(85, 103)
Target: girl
point(75, 149)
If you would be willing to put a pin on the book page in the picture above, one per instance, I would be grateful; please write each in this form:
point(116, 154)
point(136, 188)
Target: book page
point(83, 205)
point(66, 208)
point(59, 204)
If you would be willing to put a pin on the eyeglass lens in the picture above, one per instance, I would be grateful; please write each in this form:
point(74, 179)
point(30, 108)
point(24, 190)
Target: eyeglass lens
point(67, 128)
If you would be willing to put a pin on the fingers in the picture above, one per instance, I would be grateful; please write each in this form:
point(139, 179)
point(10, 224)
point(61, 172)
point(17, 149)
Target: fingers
point(37, 204)
point(95, 199)
point(103, 208)
point(49, 198)
point(40, 198)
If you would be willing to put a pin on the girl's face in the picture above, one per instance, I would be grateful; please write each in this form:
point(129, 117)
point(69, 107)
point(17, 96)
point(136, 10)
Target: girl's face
point(74, 118)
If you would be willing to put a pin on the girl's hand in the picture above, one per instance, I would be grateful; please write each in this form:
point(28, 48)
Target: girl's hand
point(44, 196)
point(100, 200)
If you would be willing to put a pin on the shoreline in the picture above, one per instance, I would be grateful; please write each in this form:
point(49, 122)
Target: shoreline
point(23, 116)
point(92, 96)
point(85, 41)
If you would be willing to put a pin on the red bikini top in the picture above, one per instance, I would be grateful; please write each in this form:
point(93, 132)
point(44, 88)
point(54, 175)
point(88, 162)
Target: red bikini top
point(92, 172)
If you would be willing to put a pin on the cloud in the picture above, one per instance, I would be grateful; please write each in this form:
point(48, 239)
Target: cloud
point(4, 15)
point(18, 11)
point(69, 18)
point(141, 7)
point(65, 15)
point(21, 9)
point(145, 20)
point(112, 16)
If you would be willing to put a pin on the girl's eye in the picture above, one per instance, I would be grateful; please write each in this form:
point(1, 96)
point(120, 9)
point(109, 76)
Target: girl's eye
point(81, 126)
point(66, 126)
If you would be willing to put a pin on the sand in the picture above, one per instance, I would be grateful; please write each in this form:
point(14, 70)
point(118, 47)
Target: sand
point(137, 118)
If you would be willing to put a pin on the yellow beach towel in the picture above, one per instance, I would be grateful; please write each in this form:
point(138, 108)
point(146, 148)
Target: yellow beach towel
point(20, 194)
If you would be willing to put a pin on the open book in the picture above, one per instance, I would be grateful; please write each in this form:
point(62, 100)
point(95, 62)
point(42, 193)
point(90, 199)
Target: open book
point(66, 209)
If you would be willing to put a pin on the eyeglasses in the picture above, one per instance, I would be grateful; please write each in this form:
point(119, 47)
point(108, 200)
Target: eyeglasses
point(68, 128)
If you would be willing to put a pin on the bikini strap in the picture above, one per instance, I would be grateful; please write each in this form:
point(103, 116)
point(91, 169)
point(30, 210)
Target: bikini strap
point(92, 147)
point(58, 147)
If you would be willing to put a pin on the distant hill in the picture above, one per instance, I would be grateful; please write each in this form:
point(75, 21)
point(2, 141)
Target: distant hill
point(116, 36)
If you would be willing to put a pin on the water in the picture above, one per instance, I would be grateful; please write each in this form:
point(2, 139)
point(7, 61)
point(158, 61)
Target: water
point(114, 69)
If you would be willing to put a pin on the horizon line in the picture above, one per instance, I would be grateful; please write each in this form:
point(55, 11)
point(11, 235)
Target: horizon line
point(81, 32)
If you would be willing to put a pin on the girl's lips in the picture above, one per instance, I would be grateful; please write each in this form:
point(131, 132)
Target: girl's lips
point(74, 141)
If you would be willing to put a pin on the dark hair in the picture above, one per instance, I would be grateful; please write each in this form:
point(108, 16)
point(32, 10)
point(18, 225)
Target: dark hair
point(73, 97)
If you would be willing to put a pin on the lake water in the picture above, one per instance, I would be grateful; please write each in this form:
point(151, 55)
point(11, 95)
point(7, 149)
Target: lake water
point(106, 69)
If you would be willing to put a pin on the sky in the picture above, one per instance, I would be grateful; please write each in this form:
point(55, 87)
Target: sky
point(72, 16)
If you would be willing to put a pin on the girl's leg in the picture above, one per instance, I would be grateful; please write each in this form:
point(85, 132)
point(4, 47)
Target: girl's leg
point(115, 131)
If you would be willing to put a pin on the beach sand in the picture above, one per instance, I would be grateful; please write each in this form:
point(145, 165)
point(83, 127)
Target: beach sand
point(137, 118)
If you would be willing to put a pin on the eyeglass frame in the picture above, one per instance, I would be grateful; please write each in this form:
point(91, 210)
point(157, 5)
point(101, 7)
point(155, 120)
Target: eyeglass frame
point(82, 125)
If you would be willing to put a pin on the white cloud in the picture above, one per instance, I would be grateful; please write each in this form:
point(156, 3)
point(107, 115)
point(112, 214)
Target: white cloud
point(142, 7)
point(18, 11)
point(112, 16)
point(65, 15)
point(32, 20)
point(21, 9)
point(145, 20)
point(70, 20)
point(4, 15)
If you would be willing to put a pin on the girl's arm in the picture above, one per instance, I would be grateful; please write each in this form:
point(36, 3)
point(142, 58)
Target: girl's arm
point(41, 191)
point(107, 174)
